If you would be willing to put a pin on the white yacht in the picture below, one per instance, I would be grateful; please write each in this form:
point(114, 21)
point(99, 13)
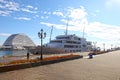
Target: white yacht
point(70, 43)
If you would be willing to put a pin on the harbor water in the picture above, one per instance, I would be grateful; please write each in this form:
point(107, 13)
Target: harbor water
point(12, 52)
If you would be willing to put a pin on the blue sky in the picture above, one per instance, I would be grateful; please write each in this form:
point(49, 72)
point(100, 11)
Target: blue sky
point(100, 18)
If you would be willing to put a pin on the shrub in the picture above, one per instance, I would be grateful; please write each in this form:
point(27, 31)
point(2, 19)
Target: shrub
point(1, 64)
point(37, 59)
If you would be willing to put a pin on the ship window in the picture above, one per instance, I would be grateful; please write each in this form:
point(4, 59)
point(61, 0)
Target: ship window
point(88, 43)
point(79, 50)
point(70, 50)
point(63, 37)
point(68, 46)
point(73, 42)
point(56, 42)
point(76, 46)
point(69, 42)
point(78, 38)
point(84, 45)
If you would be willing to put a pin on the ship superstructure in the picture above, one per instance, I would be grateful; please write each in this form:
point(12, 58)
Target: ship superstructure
point(70, 43)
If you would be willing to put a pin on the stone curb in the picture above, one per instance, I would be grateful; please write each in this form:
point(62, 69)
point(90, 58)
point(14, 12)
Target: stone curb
point(29, 65)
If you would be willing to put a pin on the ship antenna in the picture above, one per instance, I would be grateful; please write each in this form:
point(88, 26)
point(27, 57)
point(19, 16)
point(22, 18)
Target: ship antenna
point(51, 33)
point(67, 28)
point(83, 31)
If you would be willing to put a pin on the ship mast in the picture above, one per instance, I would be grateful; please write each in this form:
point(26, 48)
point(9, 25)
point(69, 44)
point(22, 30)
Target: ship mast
point(83, 31)
point(66, 33)
point(51, 33)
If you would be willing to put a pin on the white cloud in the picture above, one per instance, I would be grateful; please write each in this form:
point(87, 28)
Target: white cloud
point(12, 6)
point(23, 18)
point(5, 34)
point(29, 6)
point(58, 26)
point(112, 3)
point(95, 13)
point(44, 17)
point(36, 15)
point(58, 13)
point(103, 31)
point(29, 9)
point(8, 7)
point(78, 20)
point(45, 12)
point(72, 13)
point(47, 24)
point(5, 13)
point(78, 13)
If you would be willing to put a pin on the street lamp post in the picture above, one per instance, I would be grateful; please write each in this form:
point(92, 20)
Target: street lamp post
point(104, 46)
point(111, 46)
point(41, 35)
point(95, 46)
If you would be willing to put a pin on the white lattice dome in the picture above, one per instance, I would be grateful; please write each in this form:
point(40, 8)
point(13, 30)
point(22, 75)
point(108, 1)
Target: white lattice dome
point(18, 40)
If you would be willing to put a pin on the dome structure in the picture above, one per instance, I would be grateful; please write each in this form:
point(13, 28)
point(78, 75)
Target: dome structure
point(18, 41)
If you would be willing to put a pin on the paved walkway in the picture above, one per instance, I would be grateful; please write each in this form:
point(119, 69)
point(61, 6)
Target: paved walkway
point(102, 67)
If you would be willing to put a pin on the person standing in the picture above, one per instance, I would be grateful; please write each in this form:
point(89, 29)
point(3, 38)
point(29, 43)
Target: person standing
point(28, 55)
